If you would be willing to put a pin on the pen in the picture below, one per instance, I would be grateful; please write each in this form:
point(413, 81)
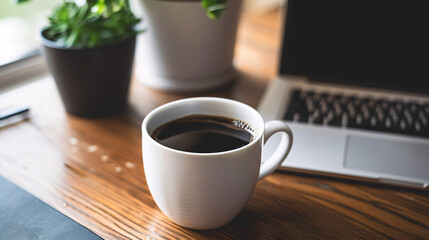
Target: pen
point(13, 114)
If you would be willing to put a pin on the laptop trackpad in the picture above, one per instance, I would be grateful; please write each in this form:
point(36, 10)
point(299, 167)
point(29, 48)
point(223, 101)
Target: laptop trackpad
point(386, 156)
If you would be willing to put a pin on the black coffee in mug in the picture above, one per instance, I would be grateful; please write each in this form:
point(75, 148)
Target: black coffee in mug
point(204, 134)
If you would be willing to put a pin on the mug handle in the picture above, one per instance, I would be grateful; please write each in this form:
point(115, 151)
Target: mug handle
point(272, 163)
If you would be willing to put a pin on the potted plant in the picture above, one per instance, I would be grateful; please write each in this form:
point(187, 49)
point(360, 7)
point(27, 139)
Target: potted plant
point(89, 46)
point(183, 50)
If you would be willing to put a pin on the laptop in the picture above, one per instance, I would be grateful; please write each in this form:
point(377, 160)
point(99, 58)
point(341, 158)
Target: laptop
point(353, 85)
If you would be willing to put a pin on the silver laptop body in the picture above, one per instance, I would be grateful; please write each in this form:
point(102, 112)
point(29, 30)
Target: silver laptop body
point(336, 149)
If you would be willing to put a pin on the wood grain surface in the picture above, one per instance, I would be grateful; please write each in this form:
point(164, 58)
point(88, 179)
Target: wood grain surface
point(91, 169)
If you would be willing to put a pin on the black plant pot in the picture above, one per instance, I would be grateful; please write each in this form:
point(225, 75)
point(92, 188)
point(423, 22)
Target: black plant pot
point(93, 82)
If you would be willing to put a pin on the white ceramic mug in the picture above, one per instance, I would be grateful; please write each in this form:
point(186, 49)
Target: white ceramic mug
point(207, 190)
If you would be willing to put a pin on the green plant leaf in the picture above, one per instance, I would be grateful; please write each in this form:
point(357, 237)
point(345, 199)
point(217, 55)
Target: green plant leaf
point(19, 1)
point(95, 23)
point(71, 39)
point(214, 8)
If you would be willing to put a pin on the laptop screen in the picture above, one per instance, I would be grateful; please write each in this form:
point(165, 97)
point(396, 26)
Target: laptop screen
point(376, 43)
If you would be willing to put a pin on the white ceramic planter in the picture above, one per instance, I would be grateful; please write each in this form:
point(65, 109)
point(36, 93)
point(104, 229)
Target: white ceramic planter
point(182, 49)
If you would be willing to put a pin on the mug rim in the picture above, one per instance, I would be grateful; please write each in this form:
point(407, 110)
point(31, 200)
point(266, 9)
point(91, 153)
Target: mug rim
point(181, 101)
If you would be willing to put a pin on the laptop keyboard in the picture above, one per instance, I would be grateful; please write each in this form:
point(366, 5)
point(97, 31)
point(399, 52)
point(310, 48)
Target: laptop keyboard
point(393, 116)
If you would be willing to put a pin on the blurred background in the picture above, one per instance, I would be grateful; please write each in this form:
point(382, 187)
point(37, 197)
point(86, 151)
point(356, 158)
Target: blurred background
point(20, 25)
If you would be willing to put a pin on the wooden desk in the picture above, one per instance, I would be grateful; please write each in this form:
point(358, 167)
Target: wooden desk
point(91, 169)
